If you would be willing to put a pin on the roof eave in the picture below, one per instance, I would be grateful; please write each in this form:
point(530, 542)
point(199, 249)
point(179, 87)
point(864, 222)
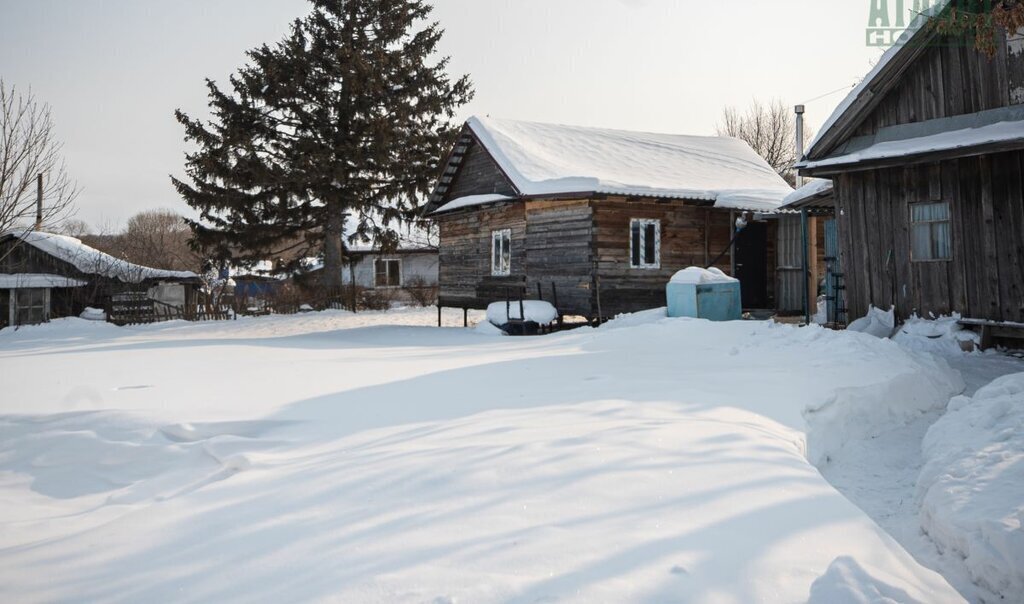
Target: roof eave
point(832, 169)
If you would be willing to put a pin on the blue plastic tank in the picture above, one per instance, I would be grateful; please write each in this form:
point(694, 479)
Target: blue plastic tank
point(712, 301)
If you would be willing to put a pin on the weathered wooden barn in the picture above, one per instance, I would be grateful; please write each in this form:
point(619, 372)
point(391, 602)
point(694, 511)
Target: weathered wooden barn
point(44, 276)
point(926, 159)
point(597, 220)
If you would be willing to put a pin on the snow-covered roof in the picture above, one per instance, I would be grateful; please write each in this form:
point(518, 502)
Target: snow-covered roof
point(471, 200)
point(549, 159)
point(863, 89)
point(815, 188)
point(36, 280)
point(91, 261)
point(943, 141)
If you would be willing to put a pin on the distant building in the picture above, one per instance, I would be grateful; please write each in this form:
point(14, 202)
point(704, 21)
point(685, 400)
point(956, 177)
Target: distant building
point(44, 276)
point(373, 269)
point(598, 220)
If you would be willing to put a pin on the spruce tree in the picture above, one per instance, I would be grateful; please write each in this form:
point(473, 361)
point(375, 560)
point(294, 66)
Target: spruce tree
point(338, 128)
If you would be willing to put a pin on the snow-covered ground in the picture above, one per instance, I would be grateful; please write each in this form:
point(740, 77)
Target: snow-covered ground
point(888, 474)
point(375, 457)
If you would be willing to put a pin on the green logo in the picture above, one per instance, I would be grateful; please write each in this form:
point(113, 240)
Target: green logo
point(888, 19)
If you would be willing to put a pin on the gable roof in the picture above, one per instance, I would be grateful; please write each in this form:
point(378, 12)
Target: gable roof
point(864, 98)
point(91, 261)
point(555, 160)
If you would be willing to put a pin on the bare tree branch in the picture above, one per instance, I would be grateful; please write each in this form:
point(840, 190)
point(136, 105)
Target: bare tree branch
point(28, 147)
point(770, 128)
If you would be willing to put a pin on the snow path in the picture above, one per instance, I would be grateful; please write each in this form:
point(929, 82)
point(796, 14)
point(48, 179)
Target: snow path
point(879, 474)
point(374, 458)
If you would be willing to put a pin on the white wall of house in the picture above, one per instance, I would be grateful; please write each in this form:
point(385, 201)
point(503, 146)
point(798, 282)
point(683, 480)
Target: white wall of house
point(168, 293)
point(423, 265)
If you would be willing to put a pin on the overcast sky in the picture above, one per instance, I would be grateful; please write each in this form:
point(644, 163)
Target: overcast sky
point(113, 71)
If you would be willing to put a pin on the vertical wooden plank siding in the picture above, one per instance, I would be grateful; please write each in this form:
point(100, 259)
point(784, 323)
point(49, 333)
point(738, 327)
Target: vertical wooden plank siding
point(985, 276)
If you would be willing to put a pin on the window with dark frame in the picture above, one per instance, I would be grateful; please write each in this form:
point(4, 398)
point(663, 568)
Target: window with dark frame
point(30, 306)
point(501, 253)
point(930, 232)
point(645, 243)
point(388, 273)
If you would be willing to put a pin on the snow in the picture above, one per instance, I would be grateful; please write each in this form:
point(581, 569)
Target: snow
point(538, 311)
point(942, 336)
point(93, 314)
point(471, 200)
point(954, 139)
point(884, 472)
point(30, 280)
point(695, 275)
point(373, 457)
point(549, 159)
point(92, 261)
point(972, 484)
point(879, 323)
point(814, 188)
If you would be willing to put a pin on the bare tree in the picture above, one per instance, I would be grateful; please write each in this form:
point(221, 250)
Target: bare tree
point(28, 148)
point(159, 239)
point(73, 227)
point(770, 128)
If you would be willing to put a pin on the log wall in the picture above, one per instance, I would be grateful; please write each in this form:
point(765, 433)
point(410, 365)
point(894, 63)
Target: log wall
point(690, 236)
point(465, 279)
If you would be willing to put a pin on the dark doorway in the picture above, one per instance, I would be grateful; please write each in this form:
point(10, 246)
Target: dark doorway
point(752, 264)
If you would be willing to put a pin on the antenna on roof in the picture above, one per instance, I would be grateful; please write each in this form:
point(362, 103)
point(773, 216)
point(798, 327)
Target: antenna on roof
point(39, 202)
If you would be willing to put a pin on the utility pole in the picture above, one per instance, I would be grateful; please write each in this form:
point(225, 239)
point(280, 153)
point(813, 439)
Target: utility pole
point(39, 202)
point(799, 141)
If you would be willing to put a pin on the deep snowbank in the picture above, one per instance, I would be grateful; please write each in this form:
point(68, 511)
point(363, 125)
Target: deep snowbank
point(332, 457)
point(972, 485)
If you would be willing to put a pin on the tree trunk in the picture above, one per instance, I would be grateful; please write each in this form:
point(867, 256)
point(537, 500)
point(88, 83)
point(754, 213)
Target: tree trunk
point(334, 230)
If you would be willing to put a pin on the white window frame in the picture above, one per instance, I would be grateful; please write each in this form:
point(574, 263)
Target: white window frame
point(377, 285)
point(643, 224)
point(501, 263)
point(932, 232)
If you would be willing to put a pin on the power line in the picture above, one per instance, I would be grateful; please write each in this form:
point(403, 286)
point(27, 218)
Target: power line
point(817, 98)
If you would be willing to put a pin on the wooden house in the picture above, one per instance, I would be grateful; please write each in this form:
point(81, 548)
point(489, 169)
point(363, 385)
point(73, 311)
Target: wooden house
point(927, 160)
point(597, 220)
point(403, 267)
point(44, 276)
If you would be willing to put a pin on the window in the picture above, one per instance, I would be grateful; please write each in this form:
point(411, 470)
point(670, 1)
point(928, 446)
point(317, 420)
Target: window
point(387, 273)
point(30, 306)
point(644, 243)
point(930, 232)
point(501, 253)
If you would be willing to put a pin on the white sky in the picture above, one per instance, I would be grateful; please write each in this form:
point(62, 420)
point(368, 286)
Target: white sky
point(113, 71)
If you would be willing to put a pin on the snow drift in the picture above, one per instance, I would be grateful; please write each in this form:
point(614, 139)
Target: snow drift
point(972, 485)
point(332, 456)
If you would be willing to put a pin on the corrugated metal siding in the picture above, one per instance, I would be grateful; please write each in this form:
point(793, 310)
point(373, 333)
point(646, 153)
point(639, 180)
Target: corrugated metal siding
point(790, 270)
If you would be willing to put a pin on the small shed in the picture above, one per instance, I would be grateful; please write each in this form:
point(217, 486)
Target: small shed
point(598, 220)
point(45, 275)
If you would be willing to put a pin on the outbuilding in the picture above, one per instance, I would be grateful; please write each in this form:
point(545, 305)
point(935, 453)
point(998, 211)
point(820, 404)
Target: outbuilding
point(597, 220)
point(45, 275)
